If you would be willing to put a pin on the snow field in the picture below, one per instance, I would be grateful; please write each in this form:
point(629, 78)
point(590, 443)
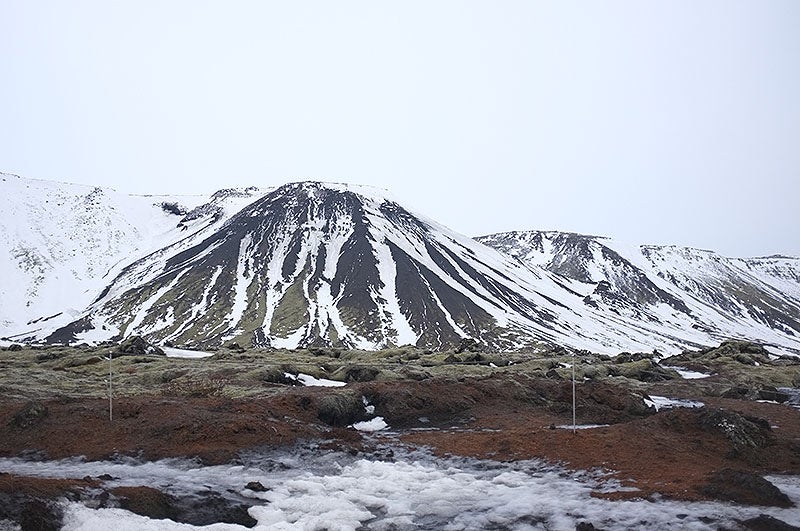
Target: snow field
point(416, 491)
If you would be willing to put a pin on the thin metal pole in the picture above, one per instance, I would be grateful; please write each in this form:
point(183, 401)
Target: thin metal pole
point(574, 425)
point(110, 390)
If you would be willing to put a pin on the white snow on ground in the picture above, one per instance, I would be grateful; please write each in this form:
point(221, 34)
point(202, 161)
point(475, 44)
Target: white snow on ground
point(376, 424)
point(415, 491)
point(662, 402)
point(183, 353)
point(687, 374)
point(310, 381)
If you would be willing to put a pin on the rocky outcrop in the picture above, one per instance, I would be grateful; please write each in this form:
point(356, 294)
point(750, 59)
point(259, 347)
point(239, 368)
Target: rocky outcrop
point(209, 508)
point(744, 352)
point(138, 346)
point(745, 487)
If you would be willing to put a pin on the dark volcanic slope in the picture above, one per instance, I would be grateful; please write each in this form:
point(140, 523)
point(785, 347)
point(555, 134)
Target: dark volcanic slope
point(314, 264)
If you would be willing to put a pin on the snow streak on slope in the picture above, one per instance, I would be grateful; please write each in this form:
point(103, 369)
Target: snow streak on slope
point(692, 294)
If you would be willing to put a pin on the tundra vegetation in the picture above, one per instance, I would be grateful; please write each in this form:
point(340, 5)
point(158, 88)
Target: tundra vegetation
point(463, 401)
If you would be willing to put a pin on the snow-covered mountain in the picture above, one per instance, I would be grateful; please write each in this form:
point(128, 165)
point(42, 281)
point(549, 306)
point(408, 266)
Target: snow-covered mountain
point(61, 244)
point(721, 297)
point(333, 264)
point(326, 264)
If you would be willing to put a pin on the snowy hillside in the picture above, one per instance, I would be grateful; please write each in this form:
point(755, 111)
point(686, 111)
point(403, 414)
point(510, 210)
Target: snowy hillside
point(61, 244)
point(332, 264)
point(328, 264)
point(721, 297)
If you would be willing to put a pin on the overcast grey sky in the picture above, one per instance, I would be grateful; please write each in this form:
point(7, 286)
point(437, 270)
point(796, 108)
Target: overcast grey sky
point(654, 122)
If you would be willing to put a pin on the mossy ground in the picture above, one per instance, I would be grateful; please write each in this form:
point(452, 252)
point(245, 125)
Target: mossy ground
point(55, 371)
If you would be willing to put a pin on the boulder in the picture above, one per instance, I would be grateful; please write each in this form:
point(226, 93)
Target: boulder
point(205, 509)
point(469, 345)
point(743, 487)
point(765, 522)
point(138, 346)
point(745, 433)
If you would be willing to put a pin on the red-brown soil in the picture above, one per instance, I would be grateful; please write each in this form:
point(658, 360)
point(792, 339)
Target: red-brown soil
point(666, 453)
point(671, 452)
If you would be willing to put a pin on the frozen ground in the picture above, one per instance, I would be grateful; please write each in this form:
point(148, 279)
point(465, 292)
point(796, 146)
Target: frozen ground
point(309, 489)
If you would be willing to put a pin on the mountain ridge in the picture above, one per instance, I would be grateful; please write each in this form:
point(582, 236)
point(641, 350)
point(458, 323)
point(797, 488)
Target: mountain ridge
point(312, 263)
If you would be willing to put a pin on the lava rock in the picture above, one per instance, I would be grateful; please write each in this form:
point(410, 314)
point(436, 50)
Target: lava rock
point(138, 346)
point(469, 345)
point(766, 522)
point(745, 487)
point(30, 512)
point(256, 486)
point(744, 432)
point(203, 510)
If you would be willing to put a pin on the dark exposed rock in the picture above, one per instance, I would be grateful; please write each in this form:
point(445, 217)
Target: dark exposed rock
point(745, 487)
point(755, 393)
point(14, 347)
point(553, 375)
point(138, 346)
point(33, 413)
point(744, 432)
point(586, 526)
point(627, 357)
point(470, 345)
point(68, 334)
point(256, 486)
point(772, 394)
point(204, 510)
point(277, 375)
point(766, 522)
point(40, 515)
point(235, 347)
point(173, 208)
point(30, 513)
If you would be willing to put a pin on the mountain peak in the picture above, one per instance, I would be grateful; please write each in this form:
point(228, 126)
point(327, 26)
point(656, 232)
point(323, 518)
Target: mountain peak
point(318, 263)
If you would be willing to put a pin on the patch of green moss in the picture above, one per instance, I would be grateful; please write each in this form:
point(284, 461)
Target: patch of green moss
point(292, 311)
